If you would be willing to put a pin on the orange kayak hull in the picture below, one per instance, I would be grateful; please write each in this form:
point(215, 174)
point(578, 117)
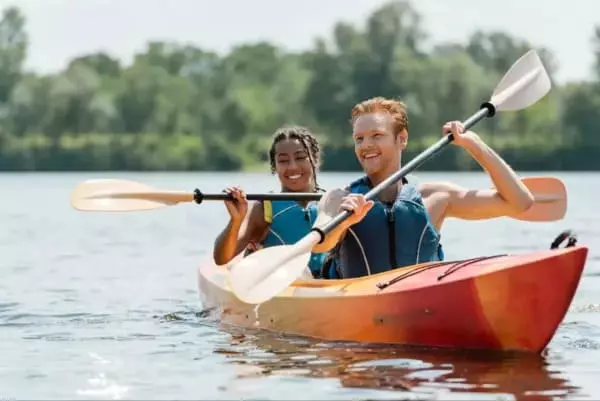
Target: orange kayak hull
point(506, 302)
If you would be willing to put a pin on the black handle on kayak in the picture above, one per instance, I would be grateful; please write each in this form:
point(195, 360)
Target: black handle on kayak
point(199, 197)
point(487, 110)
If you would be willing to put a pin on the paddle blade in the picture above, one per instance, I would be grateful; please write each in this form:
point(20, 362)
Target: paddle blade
point(267, 272)
point(550, 199)
point(524, 84)
point(112, 195)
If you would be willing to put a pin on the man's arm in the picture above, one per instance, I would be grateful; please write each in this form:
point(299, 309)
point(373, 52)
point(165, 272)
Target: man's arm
point(446, 199)
point(510, 195)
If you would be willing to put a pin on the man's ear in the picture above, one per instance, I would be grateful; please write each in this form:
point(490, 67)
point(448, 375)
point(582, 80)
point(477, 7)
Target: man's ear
point(402, 139)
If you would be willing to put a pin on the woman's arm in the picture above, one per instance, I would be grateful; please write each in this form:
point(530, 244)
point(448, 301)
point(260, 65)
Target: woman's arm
point(237, 234)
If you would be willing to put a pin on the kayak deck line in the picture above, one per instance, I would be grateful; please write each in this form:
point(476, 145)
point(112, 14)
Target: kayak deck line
point(464, 263)
point(454, 266)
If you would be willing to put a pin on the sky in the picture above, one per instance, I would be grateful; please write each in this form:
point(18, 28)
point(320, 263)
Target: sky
point(62, 29)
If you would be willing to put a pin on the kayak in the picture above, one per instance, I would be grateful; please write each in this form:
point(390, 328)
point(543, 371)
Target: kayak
point(496, 302)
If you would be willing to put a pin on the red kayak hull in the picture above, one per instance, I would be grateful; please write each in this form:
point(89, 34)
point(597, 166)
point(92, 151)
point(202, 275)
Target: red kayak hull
point(512, 302)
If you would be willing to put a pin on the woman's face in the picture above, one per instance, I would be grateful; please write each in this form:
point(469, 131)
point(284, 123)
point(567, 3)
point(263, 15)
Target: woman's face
point(293, 166)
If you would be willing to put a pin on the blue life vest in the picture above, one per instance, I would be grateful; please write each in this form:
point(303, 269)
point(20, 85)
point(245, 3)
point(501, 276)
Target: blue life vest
point(388, 237)
point(288, 223)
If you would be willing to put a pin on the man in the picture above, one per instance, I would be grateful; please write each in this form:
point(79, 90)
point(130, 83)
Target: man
point(402, 226)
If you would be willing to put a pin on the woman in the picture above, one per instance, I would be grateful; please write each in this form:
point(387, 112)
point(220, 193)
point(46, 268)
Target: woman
point(295, 157)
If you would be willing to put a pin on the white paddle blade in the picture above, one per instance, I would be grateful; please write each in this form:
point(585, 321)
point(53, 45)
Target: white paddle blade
point(110, 195)
point(266, 273)
point(524, 84)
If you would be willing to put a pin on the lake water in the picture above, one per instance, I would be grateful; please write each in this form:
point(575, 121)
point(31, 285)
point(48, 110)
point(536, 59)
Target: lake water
point(105, 306)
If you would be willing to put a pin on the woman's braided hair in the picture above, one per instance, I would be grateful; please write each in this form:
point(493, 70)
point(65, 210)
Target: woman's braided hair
point(308, 141)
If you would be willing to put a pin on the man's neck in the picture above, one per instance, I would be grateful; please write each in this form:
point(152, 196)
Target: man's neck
point(376, 179)
point(390, 193)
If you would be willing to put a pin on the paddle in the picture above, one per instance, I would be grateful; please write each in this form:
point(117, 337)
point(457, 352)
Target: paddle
point(113, 195)
point(265, 273)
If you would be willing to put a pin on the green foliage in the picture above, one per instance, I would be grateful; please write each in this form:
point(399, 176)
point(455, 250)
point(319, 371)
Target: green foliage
point(179, 107)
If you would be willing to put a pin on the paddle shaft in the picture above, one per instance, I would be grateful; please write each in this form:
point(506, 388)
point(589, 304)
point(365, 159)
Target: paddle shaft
point(199, 197)
point(486, 110)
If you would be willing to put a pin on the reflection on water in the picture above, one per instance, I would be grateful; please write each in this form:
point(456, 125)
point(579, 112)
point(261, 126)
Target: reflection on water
point(418, 371)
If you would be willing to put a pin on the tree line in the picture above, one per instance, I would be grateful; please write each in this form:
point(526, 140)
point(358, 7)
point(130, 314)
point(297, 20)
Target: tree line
point(181, 107)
